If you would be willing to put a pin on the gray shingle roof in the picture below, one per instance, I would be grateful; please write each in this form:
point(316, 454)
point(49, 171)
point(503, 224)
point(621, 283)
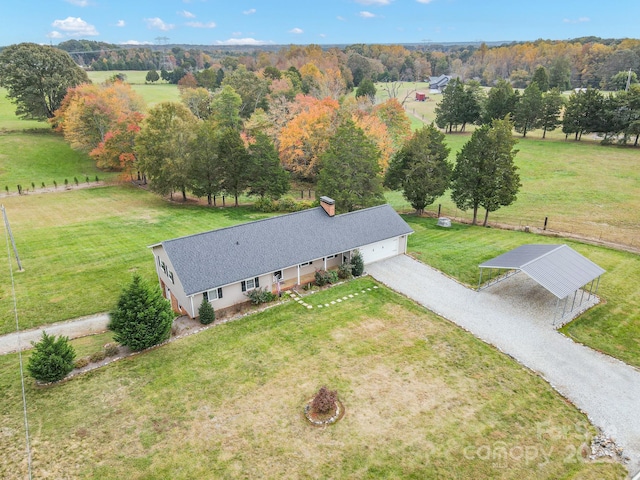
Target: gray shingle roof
point(228, 255)
point(558, 268)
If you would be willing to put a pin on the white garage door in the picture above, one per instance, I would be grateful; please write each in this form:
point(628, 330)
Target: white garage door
point(378, 251)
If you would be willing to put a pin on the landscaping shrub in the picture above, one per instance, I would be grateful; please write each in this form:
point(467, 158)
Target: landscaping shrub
point(357, 264)
point(81, 362)
point(259, 296)
point(324, 277)
point(287, 204)
point(325, 401)
point(98, 356)
point(52, 359)
point(206, 312)
point(265, 204)
point(142, 318)
point(344, 271)
point(111, 349)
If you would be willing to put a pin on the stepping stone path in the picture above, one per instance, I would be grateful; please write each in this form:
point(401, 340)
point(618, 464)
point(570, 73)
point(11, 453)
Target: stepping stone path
point(297, 298)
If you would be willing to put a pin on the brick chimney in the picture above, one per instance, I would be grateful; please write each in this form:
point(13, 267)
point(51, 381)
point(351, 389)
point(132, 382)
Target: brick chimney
point(328, 205)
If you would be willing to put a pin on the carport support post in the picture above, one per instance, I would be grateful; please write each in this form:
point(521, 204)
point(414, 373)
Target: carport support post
point(564, 307)
point(597, 285)
point(590, 288)
point(480, 280)
point(574, 300)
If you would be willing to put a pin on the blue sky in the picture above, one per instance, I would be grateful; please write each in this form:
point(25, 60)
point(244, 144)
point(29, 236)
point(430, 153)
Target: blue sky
point(212, 22)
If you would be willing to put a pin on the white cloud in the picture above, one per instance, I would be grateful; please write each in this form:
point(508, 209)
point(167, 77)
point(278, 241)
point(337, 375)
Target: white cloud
point(75, 27)
point(322, 35)
point(79, 3)
point(186, 14)
point(342, 19)
point(54, 34)
point(296, 31)
point(365, 14)
point(374, 2)
point(424, 1)
point(243, 41)
point(236, 34)
point(120, 23)
point(201, 24)
point(251, 11)
point(577, 20)
point(157, 23)
point(136, 42)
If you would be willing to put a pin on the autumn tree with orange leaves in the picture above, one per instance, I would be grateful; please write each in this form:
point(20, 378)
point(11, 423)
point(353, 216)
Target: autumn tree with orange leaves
point(90, 111)
point(307, 136)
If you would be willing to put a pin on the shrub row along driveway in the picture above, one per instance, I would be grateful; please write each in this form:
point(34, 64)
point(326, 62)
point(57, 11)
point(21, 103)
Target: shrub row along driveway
point(607, 390)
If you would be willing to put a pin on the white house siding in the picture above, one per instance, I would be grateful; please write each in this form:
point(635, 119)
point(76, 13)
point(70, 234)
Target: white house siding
point(170, 286)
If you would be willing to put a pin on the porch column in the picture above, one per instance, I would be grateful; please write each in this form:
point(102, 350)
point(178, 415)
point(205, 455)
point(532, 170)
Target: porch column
point(298, 274)
point(325, 263)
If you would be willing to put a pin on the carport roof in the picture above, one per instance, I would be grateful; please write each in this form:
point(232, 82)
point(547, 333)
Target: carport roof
point(558, 268)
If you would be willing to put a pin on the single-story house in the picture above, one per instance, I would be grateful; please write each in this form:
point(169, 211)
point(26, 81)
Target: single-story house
point(276, 253)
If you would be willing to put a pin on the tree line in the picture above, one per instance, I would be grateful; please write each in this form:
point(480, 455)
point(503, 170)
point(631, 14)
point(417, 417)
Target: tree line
point(258, 130)
point(614, 116)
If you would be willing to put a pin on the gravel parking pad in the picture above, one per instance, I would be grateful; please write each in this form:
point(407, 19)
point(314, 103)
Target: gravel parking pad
point(516, 317)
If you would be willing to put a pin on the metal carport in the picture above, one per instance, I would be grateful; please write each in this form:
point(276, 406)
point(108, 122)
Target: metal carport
point(558, 268)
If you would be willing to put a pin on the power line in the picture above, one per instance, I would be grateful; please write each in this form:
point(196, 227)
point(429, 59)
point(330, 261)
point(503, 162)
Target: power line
point(15, 312)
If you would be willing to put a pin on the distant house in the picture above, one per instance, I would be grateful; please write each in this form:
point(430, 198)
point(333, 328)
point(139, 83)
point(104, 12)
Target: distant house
point(438, 84)
point(277, 253)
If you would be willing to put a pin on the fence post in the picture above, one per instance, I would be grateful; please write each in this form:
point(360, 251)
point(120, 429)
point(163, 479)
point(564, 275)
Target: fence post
point(545, 223)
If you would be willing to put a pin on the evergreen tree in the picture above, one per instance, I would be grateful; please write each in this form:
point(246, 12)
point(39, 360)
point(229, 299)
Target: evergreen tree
point(366, 89)
point(357, 263)
point(420, 168)
point(234, 163)
point(528, 110)
point(206, 313)
point(152, 76)
point(349, 169)
point(501, 101)
point(459, 105)
point(205, 166)
point(541, 78)
point(142, 317)
point(266, 176)
point(52, 359)
point(552, 103)
point(485, 174)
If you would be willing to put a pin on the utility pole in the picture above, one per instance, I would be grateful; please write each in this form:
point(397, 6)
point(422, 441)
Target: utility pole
point(13, 242)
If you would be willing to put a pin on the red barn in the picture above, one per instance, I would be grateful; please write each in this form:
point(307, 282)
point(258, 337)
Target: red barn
point(421, 97)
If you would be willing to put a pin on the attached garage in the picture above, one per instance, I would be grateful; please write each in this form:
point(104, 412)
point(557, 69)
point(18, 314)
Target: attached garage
point(380, 250)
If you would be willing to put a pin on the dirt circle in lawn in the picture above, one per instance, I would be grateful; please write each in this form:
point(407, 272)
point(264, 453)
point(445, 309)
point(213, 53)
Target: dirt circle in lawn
point(322, 420)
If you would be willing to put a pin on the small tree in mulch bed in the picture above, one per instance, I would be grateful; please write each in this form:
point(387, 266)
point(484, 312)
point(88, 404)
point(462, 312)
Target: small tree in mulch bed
point(206, 312)
point(357, 264)
point(324, 403)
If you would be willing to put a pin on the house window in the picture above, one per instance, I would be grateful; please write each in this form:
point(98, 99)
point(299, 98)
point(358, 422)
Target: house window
point(171, 276)
point(213, 294)
point(164, 267)
point(277, 276)
point(305, 264)
point(250, 284)
point(330, 257)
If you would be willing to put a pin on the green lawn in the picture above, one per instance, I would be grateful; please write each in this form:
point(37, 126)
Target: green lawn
point(423, 399)
point(8, 120)
point(612, 327)
point(80, 248)
point(153, 93)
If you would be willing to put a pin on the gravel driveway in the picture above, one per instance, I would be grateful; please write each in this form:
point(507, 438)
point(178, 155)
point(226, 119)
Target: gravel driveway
point(515, 316)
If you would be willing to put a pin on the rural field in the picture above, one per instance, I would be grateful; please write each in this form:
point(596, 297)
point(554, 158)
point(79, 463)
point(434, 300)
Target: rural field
point(423, 399)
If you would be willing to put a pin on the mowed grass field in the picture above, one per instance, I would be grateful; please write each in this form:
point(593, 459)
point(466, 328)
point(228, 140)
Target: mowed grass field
point(79, 248)
point(584, 188)
point(153, 93)
point(423, 399)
